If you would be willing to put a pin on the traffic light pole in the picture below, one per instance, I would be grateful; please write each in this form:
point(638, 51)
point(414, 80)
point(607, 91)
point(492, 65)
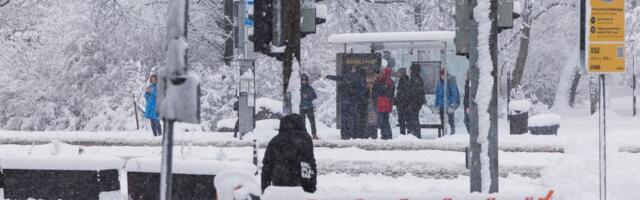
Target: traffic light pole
point(167, 161)
point(476, 172)
point(167, 140)
point(475, 176)
point(493, 104)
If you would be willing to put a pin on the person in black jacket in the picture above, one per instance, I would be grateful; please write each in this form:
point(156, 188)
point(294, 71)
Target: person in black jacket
point(402, 100)
point(416, 89)
point(289, 160)
point(353, 102)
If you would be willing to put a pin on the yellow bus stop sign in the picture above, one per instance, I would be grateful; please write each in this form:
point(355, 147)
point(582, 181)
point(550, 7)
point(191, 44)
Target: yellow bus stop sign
point(606, 37)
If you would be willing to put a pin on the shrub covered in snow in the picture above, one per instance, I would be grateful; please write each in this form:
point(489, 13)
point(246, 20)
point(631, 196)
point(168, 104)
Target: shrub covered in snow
point(267, 108)
point(519, 106)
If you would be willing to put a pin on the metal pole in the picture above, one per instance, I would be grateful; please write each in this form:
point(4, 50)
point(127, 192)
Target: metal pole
point(167, 140)
point(445, 114)
point(475, 177)
point(603, 138)
point(255, 155)
point(135, 110)
point(493, 104)
point(167, 161)
point(633, 64)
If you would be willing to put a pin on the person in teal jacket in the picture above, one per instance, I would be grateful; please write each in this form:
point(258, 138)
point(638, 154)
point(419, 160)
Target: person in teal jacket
point(150, 95)
point(307, 95)
point(453, 99)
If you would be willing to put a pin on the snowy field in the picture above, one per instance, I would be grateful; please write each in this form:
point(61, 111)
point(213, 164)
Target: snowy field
point(405, 167)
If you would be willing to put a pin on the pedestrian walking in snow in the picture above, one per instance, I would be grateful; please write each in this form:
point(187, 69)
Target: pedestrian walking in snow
point(382, 96)
point(416, 89)
point(452, 99)
point(402, 100)
point(307, 95)
point(288, 161)
point(151, 92)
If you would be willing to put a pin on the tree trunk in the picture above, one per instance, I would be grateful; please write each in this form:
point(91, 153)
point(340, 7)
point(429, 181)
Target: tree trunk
point(227, 56)
point(574, 88)
point(521, 60)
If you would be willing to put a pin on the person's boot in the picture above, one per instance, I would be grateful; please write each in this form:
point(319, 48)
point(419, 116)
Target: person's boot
point(315, 136)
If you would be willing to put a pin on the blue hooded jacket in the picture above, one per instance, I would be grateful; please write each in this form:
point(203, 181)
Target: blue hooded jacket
point(453, 96)
point(150, 110)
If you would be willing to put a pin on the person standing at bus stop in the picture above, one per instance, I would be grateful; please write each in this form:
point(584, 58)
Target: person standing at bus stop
point(308, 94)
point(402, 100)
point(416, 88)
point(150, 94)
point(353, 93)
point(452, 99)
point(382, 96)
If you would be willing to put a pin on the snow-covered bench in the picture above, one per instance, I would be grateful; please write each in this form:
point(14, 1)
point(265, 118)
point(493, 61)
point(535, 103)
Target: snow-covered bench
point(60, 177)
point(192, 179)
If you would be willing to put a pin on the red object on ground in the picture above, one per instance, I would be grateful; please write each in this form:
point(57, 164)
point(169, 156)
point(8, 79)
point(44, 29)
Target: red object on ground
point(549, 195)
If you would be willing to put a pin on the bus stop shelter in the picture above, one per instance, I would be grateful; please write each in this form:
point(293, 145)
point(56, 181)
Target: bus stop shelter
point(432, 50)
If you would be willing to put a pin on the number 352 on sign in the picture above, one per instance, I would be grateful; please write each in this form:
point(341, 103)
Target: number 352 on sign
point(606, 58)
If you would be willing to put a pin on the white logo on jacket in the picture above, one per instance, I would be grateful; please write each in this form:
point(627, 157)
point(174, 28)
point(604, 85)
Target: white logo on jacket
point(305, 170)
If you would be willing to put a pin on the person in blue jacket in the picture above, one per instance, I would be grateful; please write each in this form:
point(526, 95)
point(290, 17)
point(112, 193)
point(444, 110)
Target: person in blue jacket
point(150, 95)
point(453, 99)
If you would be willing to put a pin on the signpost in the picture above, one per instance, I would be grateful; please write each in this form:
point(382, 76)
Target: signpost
point(606, 37)
point(605, 55)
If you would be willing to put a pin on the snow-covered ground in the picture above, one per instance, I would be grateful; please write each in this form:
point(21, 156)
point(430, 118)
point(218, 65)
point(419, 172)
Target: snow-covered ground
point(405, 167)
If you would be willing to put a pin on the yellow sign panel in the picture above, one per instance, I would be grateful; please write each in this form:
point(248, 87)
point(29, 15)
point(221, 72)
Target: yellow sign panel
point(606, 58)
point(607, 21)
point(606, 37)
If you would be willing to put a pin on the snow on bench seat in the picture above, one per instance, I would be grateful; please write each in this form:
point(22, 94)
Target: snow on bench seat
point(187, 166)
point(80, 163)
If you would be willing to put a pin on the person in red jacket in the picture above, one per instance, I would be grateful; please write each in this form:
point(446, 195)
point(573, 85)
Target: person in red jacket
point(382, 95)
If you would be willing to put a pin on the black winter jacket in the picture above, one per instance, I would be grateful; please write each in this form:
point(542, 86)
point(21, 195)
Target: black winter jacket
point(416, 88)
point(403, 94)
point(289, 159)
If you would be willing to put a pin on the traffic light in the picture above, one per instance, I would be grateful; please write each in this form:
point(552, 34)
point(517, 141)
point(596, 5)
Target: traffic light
point(508, 10)
point(313, 14)
point(506, 14)
point(262, 27)
point(463, 22)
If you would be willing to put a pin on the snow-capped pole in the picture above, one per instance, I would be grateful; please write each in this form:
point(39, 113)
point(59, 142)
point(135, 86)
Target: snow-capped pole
point(178, 88)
